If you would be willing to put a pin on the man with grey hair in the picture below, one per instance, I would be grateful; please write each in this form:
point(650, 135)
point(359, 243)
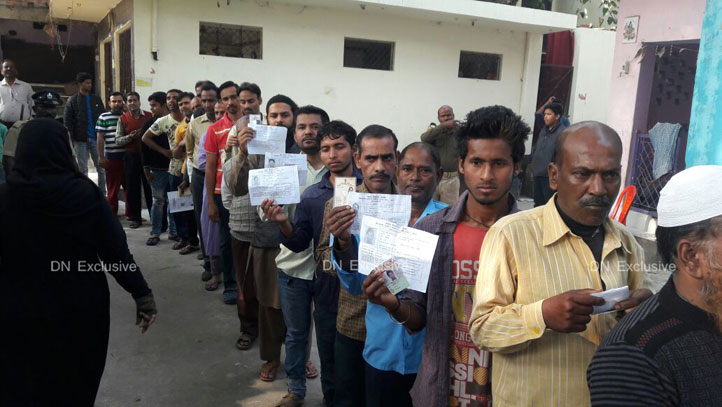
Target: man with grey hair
point(667, 352)
point(443, 137)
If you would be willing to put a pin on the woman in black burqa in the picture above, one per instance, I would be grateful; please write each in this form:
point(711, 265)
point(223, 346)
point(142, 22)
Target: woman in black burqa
point(58, 238)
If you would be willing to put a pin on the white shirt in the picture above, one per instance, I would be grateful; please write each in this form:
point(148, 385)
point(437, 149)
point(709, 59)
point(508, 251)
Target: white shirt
point(16, 101)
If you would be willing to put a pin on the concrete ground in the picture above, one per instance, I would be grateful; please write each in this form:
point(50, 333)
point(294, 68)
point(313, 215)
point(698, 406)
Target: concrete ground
point(188, 357)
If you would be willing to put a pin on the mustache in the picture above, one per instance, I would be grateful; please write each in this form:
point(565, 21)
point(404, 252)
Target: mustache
point(380, 176)
point(596, 201)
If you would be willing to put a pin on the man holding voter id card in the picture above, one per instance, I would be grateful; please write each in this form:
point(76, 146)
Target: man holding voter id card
point(544, 270)
point(391, 354)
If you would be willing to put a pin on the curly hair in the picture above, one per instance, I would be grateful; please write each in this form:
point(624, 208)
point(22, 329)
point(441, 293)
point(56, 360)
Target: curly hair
point(493, 122)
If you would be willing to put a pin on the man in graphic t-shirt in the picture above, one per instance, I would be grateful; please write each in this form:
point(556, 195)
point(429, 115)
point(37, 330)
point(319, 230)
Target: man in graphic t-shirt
point(454, 371)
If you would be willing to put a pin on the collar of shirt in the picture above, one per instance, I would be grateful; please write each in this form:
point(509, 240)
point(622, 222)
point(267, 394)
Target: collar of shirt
point(554, 229)
point(676, 305)
point(432, 207)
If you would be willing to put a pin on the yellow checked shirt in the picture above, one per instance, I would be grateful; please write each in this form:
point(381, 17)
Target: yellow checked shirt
point(529, 257)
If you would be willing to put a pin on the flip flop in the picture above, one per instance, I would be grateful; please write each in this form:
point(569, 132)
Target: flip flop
point(245, 341)
point(268, 372)
point(311, 371)
point(213, 285)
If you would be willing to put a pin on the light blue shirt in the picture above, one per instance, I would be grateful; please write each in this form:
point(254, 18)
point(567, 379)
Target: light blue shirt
point(388, 345)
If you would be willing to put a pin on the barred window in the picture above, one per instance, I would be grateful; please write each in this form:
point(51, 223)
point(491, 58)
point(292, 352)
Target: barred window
point(479, 65)
point(227, 40)
point(368, 54)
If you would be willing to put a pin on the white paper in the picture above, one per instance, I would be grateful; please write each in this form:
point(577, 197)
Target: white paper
point(411, 249)
point(254, 120)
point(279, 184)
point(342, 187)
point(612, 297)
point(180, 203)
point(394, 208)
point(267, 139)
point(273, 160)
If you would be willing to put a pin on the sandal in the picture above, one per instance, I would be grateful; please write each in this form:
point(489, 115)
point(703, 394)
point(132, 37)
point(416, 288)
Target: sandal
point(179, 245)
point(268, 371)
point(213, 285)
point(311, 371)
point(188, 249)
point(290, 400)
point(152, 241)
point(174, 238)
point(245, 341)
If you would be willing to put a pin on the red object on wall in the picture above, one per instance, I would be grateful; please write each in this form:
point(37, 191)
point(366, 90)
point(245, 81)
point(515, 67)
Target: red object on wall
point(560, 48)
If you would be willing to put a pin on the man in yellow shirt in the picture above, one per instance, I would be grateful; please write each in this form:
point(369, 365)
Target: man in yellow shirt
point(538, 269)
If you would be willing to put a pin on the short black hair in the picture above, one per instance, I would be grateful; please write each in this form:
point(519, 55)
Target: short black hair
point(669, 237)
point(336, 129)
point(210, 86)
point(186, 95)
point(228, 84)
point(200, 83)
point(116, 93)
point(310, 109)
point(494, 122)
point(178, 91)
point(433, 152)
point(158, 97)
point(82, 77)
point(250, 87)
point(555, 107)
point(132, 93)
point(376, 131)
point(282, 99)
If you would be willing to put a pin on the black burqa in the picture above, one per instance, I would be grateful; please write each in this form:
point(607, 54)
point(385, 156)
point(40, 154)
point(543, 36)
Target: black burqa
point(54, 224)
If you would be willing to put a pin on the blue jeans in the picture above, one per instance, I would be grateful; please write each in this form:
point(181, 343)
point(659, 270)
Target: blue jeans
point(296, 298)
point(160, 186)
point(82, 149)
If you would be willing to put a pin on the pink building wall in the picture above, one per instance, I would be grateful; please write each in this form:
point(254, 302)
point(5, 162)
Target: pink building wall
point(659, 21)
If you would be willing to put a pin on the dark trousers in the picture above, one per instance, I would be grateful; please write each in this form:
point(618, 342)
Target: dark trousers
point(181, 218)
point(197, 182)
point(134, 181)
point(349, 377)
point(542, 191)
point(247, 303)
point(388, 388)
point(229, 278)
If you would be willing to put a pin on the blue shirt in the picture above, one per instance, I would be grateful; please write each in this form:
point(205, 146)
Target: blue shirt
point(91, 125)
point(388, 345)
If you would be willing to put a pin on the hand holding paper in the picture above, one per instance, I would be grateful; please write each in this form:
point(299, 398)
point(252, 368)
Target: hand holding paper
point(279, 184)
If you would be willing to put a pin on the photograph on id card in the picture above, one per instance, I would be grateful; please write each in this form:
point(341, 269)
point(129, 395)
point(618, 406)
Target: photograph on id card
point(394, 278)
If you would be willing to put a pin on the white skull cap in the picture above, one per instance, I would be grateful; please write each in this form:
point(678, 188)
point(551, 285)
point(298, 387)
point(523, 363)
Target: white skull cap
point(691, 196)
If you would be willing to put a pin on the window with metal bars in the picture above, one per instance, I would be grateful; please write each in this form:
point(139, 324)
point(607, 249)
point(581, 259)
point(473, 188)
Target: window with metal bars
point(227, 40)
point(368, 54)
point(479, 65)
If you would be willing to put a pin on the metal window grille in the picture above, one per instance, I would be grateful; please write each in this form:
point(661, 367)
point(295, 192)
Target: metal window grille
point(479, 65)
point(648, 188)
point(231, 41)
point(125, 62)
point(368, 54)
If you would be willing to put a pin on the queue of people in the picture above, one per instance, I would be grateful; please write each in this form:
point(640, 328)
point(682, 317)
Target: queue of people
point(508, 317)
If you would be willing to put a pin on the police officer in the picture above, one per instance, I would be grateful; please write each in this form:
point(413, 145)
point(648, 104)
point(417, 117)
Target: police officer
point(46, 103)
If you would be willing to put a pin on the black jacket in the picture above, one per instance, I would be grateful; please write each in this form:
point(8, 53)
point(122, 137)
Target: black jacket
point(76, 115)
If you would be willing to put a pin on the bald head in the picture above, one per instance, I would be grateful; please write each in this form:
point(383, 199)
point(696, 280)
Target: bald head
point(585, 132)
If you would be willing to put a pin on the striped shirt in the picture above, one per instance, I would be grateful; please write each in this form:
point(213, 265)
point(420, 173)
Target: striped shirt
point(215, 143)
point(106, 126)
point(529, 257)
point(667, 352)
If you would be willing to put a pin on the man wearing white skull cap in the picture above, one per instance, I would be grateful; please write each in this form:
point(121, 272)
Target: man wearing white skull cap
point(668, 351)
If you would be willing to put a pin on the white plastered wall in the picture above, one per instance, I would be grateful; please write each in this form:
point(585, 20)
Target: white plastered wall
point(593, 56)
point(303, 58)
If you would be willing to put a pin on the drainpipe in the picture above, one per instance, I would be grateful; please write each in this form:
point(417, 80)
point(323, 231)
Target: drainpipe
point(154, 31)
